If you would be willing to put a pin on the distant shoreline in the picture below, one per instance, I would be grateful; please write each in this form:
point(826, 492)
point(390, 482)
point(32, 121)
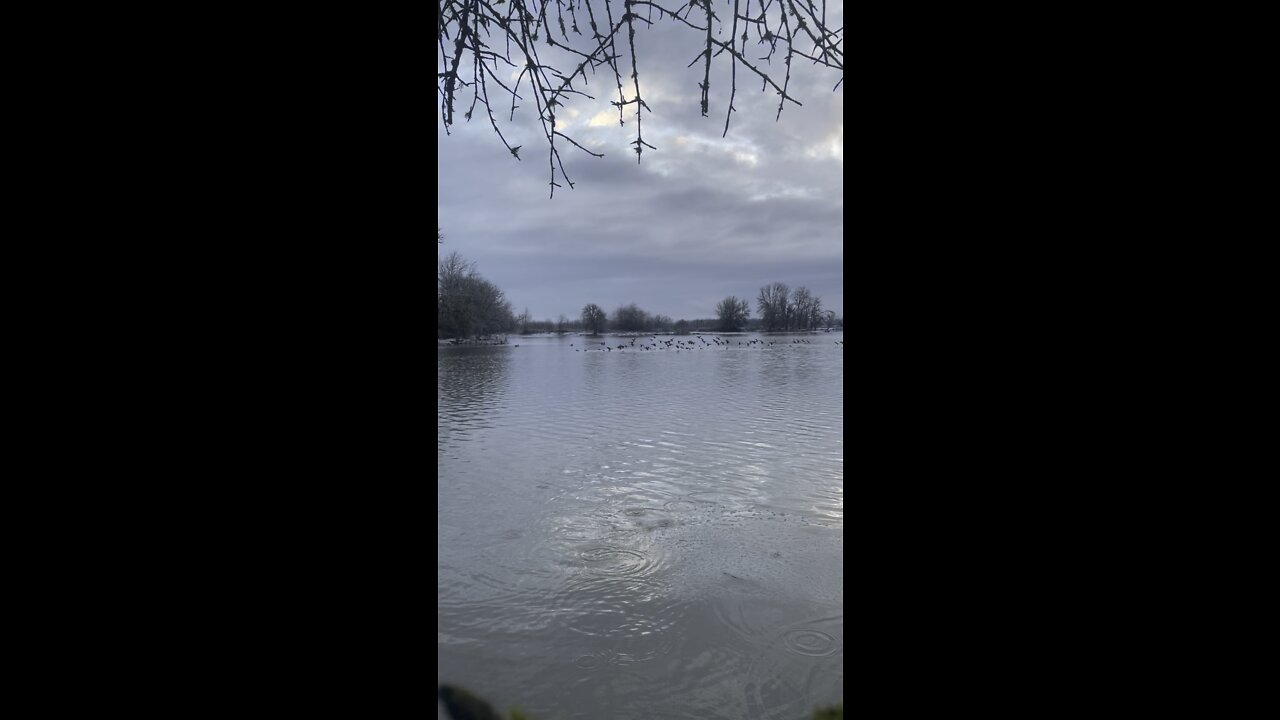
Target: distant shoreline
point(506, 339)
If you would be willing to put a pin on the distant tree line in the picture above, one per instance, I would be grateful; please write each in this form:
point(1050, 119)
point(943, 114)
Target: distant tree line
point(656, 324)
point(780, 309)
point(468, 306)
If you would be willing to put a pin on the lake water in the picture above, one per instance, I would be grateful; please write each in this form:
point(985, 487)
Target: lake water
point(643, 533)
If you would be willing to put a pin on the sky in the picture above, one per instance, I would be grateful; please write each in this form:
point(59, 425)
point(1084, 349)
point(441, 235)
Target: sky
point(698, 219)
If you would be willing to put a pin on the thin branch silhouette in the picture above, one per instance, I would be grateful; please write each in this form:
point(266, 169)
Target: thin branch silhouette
point(476, 38)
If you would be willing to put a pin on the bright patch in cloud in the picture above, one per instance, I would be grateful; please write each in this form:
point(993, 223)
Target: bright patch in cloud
point(604, 118)
point(829, 148)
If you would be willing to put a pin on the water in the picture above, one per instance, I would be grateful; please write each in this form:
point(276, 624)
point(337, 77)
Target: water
point(643, 534)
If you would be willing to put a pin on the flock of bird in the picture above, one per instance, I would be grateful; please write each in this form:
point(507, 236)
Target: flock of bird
point(653, 343)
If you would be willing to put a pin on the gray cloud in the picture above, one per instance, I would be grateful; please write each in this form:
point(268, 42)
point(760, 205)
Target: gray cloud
point(700, 218)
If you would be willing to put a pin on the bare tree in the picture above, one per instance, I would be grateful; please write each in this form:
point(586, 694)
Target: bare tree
point(561, 324)
point(813, 318)
point(630, 318)
point(467, 304)
point(773, 306)
point(733, 313)
point(593, 319)
point(806, 309)
point(482, 43)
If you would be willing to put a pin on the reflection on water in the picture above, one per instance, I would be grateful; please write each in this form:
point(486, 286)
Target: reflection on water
point(642, 534)
point(470, 388)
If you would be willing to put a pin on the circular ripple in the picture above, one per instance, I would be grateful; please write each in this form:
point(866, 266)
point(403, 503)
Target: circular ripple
point(813, 643)
point(591, 661)
point(578, 534)
point(798, 668)
point(615, 561)
point(628, 619)
point(680, 505)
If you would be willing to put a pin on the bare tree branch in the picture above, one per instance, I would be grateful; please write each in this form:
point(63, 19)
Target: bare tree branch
point(484, 35)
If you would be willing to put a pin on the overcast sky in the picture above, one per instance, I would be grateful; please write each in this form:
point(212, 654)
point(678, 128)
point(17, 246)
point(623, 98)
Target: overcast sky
point(700, 218)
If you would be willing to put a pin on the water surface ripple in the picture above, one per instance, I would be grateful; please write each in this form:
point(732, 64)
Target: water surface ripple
point(641, 533)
